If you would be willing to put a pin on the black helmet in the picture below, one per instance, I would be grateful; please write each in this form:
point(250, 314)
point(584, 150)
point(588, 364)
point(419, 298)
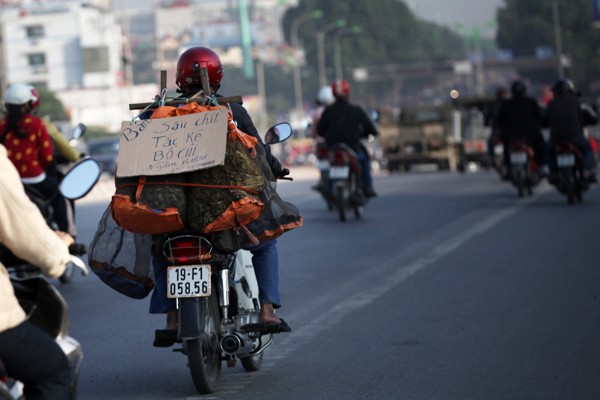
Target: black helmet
point(518, 88)
point(563, 86)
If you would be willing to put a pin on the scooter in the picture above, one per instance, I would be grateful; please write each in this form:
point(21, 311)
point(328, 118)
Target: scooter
point(217, 302)
point(44, 305)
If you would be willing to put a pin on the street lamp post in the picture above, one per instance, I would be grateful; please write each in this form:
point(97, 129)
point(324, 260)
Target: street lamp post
point(340, 23)
point(337, 48)
point(557, 38)
point(294, 37)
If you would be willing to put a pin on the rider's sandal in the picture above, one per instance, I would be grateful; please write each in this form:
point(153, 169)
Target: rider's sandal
point(267, 327)
point(165, 337)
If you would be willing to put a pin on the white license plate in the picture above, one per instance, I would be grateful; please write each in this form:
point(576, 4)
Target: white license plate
point(339, 172)
point(323, 165)
point(188, 281)
point(518, 157)
point(565, 160)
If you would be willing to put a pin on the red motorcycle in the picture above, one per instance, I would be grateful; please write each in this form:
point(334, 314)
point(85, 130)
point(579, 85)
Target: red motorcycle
point(570, 178)
point(524, 170)
point(345, 182)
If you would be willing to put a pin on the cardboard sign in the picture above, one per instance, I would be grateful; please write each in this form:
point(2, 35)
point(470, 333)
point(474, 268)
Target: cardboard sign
point(172, 145)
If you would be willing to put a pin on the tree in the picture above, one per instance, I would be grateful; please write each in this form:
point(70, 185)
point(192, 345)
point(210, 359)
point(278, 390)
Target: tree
point(525, 25)
point(51, 106)
point(391, 34)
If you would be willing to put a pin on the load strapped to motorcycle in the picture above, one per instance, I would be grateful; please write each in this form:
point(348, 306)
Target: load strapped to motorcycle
point(177, 171)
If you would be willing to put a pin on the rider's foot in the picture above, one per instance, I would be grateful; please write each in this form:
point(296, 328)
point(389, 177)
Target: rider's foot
point(168, 336)
point(369, 192)
point(271, 321)
point(590, 176)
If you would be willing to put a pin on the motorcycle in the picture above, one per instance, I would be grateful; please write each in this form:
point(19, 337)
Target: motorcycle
point(345, 181)
point(217, 301)
point(570, 179)
point(85, 172)
point(43, 304)
point(524, 170)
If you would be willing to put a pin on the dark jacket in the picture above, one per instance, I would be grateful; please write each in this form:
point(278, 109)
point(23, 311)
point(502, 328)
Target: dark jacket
point(343, 122)
point(566, 117)
point(519, 118)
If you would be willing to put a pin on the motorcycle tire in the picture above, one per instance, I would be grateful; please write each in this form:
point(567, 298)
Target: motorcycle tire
point(204, 352)
point(340, 200)
point(569, 185)
point(252, 363)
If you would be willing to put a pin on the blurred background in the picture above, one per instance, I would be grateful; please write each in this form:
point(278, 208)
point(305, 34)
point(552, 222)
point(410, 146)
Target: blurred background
point(91, 59)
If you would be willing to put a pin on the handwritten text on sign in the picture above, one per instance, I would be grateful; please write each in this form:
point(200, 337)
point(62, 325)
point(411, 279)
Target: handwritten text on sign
point(172, 145)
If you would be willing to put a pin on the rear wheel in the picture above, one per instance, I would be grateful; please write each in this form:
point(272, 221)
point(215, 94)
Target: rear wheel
point(569, 185)
point(340, 200)
point(204, 352)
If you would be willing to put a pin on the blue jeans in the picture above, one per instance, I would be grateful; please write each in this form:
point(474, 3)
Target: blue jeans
point(266, 267)
point(365, 165)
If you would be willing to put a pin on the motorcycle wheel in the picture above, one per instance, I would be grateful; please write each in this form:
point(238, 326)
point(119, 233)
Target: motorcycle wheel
point(252, 363)
point(519, 181)
point(340, 200)
point(569, 185)
point(358, 211)
point(204, 352)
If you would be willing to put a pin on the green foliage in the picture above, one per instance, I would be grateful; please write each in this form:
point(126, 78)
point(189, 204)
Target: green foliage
point(51, 106)
point(525, 25)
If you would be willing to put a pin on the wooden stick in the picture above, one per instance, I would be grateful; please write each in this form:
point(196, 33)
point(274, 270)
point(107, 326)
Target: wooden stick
point(176, 102)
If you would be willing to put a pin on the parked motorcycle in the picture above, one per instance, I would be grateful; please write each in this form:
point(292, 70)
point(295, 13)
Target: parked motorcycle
point(524, 170)
point(570, 179)
point(217, 301)
point(44, 305)
point(345, 181)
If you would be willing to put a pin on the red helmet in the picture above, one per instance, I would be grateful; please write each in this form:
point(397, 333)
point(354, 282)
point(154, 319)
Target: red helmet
point(189, 64)
point(341, 88)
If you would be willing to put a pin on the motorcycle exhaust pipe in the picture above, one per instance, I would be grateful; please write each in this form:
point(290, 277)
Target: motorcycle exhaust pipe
point(235, 344)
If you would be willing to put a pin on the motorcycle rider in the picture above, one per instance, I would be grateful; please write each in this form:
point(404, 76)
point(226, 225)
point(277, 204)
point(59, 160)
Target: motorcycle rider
point(520, 119)
point(264, 255)
point(29, 354)
point(566, 117)
point(491, 120)
point(324, 99)
point(30, 147)
point(344, 122)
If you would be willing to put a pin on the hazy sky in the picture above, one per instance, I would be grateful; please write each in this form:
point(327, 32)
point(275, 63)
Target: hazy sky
point(471, 13)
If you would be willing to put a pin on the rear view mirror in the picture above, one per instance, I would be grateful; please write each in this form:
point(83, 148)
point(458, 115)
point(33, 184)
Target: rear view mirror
point(80, 179)
point(278, 133)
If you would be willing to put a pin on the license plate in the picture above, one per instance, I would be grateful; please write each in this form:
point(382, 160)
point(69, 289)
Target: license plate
point(339, 172)
point(518, 158)
point(188, 281)
point(565, 160)
point(323, 165)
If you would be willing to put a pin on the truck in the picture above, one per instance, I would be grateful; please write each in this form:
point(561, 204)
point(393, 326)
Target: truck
point(422, 135)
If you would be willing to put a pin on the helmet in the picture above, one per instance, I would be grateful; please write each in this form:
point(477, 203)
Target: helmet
point(189, 64)
point(518, 88)
point(21, 93)
point(563, 86)
point(340, 88)
point(325, 96)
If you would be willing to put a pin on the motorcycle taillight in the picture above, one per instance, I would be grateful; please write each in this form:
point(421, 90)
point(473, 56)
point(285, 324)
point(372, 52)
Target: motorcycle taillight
point(187, 249)
point(339, 158)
